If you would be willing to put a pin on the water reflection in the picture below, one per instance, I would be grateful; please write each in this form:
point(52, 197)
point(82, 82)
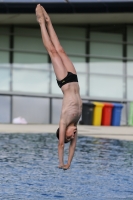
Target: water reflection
point(101, 168)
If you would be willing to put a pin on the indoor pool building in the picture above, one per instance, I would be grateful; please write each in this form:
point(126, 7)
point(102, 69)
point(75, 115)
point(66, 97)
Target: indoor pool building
point(98, 38)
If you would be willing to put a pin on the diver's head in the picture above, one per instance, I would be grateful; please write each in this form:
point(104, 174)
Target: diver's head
point(70, 133)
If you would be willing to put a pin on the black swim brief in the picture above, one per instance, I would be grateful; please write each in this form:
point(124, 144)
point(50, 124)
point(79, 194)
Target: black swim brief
point(68, 79)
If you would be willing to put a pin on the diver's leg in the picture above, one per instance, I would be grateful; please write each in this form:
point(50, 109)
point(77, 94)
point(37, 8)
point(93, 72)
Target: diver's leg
point(66, 61)
point(58, 65)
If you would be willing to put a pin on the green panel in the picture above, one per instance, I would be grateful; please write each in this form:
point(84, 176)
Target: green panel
point(28, 44)
point(105, 49)
point(30, 58)
point(130, 51)
point(70, 32)
point(4, 57)
point(130, 120)
point(4, 41)
point(130, 34)
point(28, 39)
point(77, 59)
point(4, 44)
point(101, 36)
point(73, 47)
point(27, 31)
point(4, 30)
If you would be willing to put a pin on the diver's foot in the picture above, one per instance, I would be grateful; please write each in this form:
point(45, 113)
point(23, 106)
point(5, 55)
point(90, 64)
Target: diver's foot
point(39, 14)
point(46, 16)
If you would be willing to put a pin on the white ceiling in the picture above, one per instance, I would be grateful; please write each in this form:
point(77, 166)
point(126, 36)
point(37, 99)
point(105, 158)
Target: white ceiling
point(68, 18)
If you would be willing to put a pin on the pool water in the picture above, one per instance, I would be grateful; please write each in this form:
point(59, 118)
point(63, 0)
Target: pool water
point(101, 169)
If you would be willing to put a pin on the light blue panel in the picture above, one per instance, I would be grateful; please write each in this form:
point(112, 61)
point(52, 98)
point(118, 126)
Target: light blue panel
point(56, 110)
point(130, 68)
point(106, 67)
point(4, 78)
point(130, 89)
point(5, 109)
point(34, 110)
point(106, 86)
point(26, 80)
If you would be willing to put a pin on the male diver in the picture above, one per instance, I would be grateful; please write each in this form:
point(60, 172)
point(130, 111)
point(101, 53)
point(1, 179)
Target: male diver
point(68, 82)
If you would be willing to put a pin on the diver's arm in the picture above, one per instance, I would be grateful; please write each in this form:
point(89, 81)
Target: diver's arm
point(71, 151)
point(62, 130)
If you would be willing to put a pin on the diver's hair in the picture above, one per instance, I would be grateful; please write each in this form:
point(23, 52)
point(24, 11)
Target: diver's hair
point(57, 135)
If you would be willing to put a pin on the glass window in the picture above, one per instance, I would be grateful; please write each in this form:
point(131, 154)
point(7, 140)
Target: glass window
point(28, 42)
point(130, 88)
point(130, 40)
point(4, 44)
point(102, 66)
point(106, 86)
point(105, 36)
point(130, 51)
point(31, 79)
point(130, 68)
point(4, 77)
point(130, 34)
point(56, 110)
point(70, 32)
point(29, 39)
point(106, 48)
point(72, 46)
point(29, 58)
point(33, 109)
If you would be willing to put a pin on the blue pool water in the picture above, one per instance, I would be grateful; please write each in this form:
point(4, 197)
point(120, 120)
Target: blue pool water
point(101, 169)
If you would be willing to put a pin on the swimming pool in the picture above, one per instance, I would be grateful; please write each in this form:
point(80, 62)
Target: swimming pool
point(101, 169)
